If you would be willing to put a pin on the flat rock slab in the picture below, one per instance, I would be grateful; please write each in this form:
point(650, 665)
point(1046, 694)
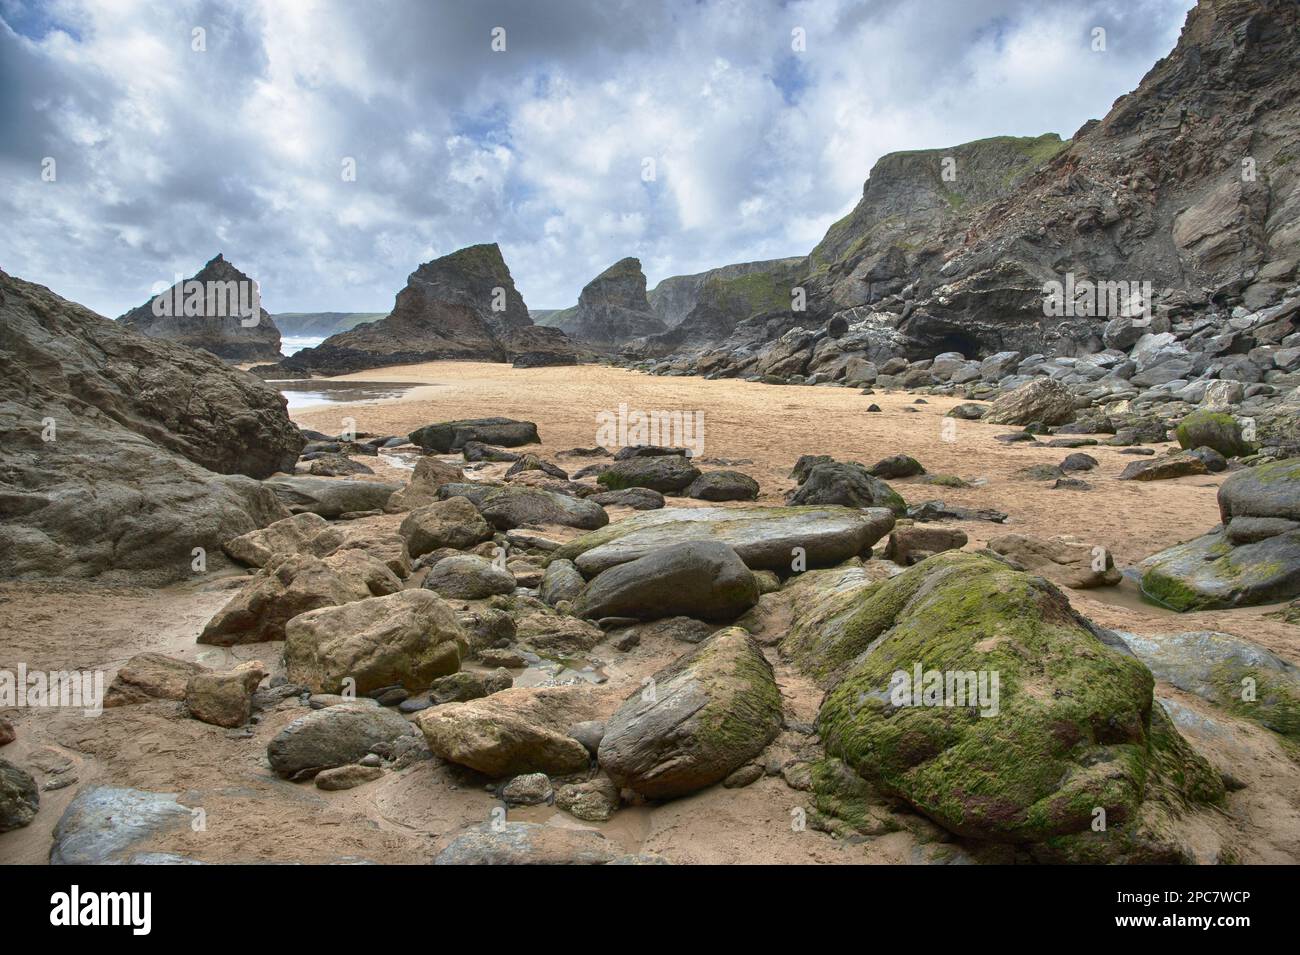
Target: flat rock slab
point(528, 843)
point(329, 497)
point(104, 823)
point(765, 538)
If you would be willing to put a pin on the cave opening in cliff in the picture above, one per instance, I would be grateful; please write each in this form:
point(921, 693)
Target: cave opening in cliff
point(960, 342)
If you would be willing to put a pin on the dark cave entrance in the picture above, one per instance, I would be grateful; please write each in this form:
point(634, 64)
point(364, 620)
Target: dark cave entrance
point(960, 342)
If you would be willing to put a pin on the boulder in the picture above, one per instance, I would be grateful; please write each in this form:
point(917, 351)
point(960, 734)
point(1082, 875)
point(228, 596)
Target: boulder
point(520, 730)
point(1041, 400)
point(509, 507)
point(562, 581)
point(711, 711)
point(328, 464)
point(593, 801)
point(765, 538)
point(294, 584)
point(334, 736)
point(911, 544)
point(637, 498)
point(224, 699)
point(896, 466)
point(331, 498)
point(665, 473)
point(467, 577)
point(429, 475)
point(1229, 672)
point(1267, 490)
point(454, 523)
point(405, 639)
point(703, 579)
point(1071, 727)
point(104, 824)
point(1209, 573)
point(847, 484)
point(19, 797)
point(1064, 562)
point(1212, 429)
point(530, 789)
point(448, 436)
point(1163, 469)
point(150, 676)
point(723, 486)
point(462, 686)
point(292, 535)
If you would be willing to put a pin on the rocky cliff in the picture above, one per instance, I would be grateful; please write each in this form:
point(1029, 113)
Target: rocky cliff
point(612, 308)
point(217, 309)
point(120, 454)
point(461, 306)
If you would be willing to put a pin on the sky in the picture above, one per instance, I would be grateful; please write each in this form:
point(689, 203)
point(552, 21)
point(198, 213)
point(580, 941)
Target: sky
point(139, 139)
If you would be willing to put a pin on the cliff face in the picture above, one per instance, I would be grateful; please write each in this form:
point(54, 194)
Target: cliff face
point(461, 306)
point(215, 314)
point(675, 297)
point(120, 454)
point(1191, 182)
point(611, 309)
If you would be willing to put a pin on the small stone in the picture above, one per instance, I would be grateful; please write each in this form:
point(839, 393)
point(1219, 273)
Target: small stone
point(347, 777)
point(530, 789)
point(744, 776)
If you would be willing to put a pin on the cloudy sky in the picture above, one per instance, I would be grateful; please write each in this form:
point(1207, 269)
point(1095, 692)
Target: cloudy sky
point(170, 146)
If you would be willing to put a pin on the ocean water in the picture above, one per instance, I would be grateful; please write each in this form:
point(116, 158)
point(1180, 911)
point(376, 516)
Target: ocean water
point(302, 394)
point(292, 343)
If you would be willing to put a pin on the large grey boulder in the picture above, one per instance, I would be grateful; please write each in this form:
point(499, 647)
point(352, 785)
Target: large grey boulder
point(454, 522)
point(447, 436)
point(1228, 671)
point(1043, 400)
point(701, 579)
point(509, 507)
point(1253, 558)
point(104, 824)
point(665, 473)
point(292, 535)
point(407, 638)
point(711, 711)
point(765, 538)
point(847, 484)
point(334, 736)
point(468, 577)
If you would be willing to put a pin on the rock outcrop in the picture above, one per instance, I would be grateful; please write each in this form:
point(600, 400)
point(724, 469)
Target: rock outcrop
point(110, 441)
point(461, 306)
point(612, 308)
point(218, 309)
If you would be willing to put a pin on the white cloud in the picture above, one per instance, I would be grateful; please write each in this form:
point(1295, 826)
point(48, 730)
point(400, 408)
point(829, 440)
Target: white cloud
point(167, 155)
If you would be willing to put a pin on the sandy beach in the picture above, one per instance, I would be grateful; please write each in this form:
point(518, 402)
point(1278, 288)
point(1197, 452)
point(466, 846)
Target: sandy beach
point(407, 817)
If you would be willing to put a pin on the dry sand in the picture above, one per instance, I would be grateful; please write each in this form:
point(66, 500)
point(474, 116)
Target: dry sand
point(407, 817)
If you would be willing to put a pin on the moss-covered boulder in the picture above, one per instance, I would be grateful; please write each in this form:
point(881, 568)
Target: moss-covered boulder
point(1210, 573)
point(1023, 727)
point(1226, 670)
point(848, 484)
point(1253, 558)
point(705, 715)
point(1212, 429)
point(665, 473)
point(765, 538)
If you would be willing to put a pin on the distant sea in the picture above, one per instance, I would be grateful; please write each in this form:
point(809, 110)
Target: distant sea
point(292, 343)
